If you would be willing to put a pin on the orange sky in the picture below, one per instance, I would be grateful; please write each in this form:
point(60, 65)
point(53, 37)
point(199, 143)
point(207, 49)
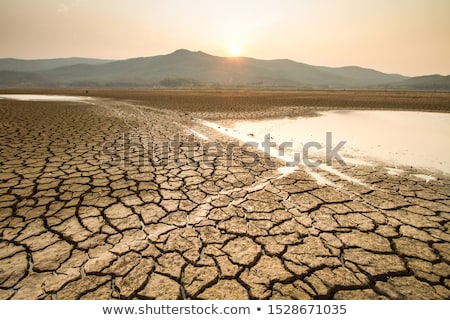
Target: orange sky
point(395, 36)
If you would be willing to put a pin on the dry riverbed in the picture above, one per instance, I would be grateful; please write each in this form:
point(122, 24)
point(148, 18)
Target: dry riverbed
point(118, 199)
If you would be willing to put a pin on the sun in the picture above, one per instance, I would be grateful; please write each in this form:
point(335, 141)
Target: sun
point(235, 50)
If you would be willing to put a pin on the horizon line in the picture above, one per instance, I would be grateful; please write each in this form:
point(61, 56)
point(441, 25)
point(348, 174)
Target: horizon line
point(109, 60)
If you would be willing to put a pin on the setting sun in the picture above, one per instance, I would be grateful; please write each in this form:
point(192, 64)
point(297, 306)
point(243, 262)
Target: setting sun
point(235, 50)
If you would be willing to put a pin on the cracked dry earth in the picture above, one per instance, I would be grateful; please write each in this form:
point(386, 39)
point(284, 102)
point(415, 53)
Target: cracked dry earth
point(80, 223)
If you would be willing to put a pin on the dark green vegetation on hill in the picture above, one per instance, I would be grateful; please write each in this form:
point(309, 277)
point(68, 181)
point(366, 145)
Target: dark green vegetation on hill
point(187, 69)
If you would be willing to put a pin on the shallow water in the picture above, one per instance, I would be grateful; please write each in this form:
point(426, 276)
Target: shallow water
point(417, 139)
point(42, 97)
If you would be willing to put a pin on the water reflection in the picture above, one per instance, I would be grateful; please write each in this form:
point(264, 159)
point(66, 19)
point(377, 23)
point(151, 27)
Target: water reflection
point(418, 139)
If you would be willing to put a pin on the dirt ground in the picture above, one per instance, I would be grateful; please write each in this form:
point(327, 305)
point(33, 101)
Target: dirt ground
point(251, 104)
point(114, 198)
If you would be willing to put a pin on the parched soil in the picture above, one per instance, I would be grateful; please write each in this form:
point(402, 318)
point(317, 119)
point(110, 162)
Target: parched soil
point(117, 199)
point(251, 104)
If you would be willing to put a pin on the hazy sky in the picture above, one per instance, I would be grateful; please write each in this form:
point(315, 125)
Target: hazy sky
point(410, 37)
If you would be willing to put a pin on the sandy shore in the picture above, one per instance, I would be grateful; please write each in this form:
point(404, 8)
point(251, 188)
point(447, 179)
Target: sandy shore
point(118, 199)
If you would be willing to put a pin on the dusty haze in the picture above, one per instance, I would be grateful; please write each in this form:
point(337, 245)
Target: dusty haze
point(407, 37)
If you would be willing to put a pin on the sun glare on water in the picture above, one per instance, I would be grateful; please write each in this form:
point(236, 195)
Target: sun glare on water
point(235, 50)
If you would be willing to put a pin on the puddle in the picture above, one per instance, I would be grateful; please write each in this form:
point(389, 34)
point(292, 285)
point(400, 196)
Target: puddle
point(42, 97)
point(394, 171)
point(198, 134)
point(425, 177)
point(417, 139)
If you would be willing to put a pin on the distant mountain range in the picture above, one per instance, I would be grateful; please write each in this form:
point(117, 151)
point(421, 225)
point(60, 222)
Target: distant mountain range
point(184, 68)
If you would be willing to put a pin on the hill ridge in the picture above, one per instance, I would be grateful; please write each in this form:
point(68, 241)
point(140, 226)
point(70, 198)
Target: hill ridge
point(185, 68)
